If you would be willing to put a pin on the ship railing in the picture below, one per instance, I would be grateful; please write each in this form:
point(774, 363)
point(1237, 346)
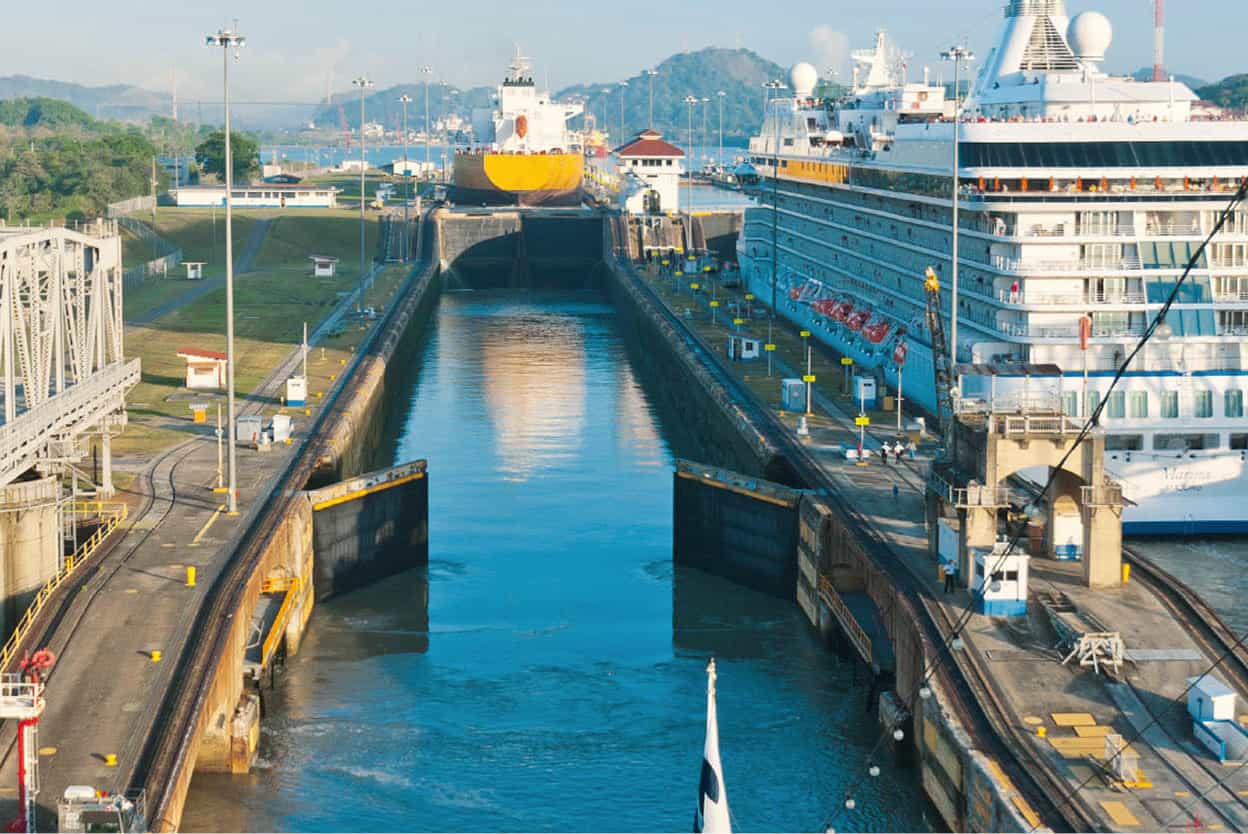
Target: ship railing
point(1020, 267)
point(1172, 229)
point(1230, 296)
point(1103, 231)
point(1074, 299)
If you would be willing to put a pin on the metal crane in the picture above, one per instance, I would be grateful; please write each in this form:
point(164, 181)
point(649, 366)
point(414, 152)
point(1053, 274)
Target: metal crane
point(942, 363)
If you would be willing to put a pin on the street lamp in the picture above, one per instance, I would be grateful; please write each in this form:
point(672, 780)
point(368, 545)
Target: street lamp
point(427, 72)
point(690, 101)
point(405, 100)
point(363, 83)
point(721, 95)
point(958, 55)
point(705, 101)
point(651, 73)
point(775, 86)
point(623, 86)
point(227, 39)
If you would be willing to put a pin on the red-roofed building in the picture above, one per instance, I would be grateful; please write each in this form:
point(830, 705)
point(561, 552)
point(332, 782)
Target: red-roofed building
point(205, 369)
point(651, 169)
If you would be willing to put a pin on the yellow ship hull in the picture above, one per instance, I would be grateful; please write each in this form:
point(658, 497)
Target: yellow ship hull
point(552, 179)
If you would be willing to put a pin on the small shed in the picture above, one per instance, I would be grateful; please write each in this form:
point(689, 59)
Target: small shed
point(205, 369)
point(194, 270)
point(1000, 581)
point(1209, 699)
point(323, 266)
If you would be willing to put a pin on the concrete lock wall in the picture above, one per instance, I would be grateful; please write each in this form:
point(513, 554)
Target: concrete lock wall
point(370, 527)
point(513, 249)
point(30, 544)
point(736, 527)
point(229, 727)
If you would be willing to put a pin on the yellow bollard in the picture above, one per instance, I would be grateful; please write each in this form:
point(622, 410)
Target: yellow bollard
point(190, 577)
point(155, 655)
point(1126, 573)
point(110, 760)
point(1041, 731)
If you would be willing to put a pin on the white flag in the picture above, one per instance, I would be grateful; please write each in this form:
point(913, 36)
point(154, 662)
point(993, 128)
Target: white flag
point(712, 816)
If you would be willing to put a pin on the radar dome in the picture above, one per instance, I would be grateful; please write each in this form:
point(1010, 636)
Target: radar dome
point(1090, 35)
point(803, 78)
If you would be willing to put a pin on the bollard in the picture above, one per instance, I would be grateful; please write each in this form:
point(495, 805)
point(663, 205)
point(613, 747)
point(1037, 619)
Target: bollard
point(155, 655)
point(1126, 573)
point(190, 577)
point(1041, 732)
point(110, 760)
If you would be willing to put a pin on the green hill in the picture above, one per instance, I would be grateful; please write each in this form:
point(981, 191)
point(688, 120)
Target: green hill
point(1231, 92)
point(49, 113)
point(703, 74)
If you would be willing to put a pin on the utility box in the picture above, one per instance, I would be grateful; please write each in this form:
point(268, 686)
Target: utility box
point(297, 391)
point(742, 348)
point(199, 412)
point(283, 426)
point(1209, 699)
point(250, 429)
point(792, 395)
point(864, 392)
point(1000, 581)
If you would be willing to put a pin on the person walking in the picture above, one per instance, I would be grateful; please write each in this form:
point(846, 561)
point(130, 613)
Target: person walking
point(951, 576)
point(884, 450)
point(896, 493)
point(912, 449)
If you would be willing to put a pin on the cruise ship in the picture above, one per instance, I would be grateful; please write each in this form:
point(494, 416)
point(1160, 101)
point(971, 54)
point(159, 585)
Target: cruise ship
point(524, 156)
point(1082, 197)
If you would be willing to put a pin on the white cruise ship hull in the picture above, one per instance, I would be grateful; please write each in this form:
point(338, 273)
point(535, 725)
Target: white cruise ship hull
point(1186, 494)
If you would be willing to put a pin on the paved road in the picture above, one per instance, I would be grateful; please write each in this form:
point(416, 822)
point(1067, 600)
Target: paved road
point(243, 264)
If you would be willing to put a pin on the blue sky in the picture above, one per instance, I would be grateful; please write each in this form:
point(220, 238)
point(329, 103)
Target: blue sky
point(294, 47)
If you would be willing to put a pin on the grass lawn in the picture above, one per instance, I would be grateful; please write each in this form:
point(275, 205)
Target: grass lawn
point(270, 306)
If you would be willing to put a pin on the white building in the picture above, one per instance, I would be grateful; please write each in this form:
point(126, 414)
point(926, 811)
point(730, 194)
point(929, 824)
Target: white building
point(650, 172)
point(260, 195)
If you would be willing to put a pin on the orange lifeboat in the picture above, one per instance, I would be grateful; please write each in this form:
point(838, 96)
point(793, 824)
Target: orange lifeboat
point(522, 125)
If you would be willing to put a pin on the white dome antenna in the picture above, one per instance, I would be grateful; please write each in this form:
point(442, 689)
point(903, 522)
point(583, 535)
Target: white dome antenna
point(803, 78)
point(1089, 36)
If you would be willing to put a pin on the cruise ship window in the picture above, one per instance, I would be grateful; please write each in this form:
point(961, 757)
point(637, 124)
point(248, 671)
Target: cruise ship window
point(1139, 405)
point(1070, 403)
point(1234, 402)
point(1203, 404)
point(1094, 400)
point(1170, 405)
point(1116, 408)
point(1239, 441)
point(1124, 442)
point(1184, 442)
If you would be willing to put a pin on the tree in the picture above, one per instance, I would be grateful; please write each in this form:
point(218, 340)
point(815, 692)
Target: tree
point(246, 151)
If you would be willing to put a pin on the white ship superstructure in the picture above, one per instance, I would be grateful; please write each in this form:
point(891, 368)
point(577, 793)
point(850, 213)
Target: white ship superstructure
point(1081, 195)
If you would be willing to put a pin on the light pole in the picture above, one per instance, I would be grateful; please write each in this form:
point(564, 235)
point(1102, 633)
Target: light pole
point(721, 95)
point(690, 101)
point(405, 100)
point(227, 39)
point(957, 54)
point(651, 73)
point(623, 87)
point(427, 72)
point(363, 83)
point(705, 101)
point(777, 86)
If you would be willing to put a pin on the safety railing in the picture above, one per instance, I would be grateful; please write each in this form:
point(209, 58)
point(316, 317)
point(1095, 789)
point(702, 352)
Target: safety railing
point(1103, 495)
point(289, 585)
point(111, 515)
point(860, 639)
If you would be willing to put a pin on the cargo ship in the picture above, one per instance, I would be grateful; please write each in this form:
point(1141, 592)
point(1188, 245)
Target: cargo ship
point(1083, 196)
point(523, 155)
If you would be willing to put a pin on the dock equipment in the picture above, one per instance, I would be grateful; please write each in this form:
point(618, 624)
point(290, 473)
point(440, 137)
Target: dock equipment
point(21, 699)
point(942, 363)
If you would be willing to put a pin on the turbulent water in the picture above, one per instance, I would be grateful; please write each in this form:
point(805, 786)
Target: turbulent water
point(548, 671)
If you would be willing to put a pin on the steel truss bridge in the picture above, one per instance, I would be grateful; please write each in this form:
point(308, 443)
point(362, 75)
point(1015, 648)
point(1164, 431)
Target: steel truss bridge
point(61, 346)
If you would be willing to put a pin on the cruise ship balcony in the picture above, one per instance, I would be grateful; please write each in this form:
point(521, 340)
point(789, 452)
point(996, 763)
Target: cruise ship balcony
point(1025, 300)
point(1013, 266)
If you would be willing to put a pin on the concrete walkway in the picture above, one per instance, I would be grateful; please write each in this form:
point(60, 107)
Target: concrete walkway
point(1188, 786)
point(243, 264)
point(104, 692)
